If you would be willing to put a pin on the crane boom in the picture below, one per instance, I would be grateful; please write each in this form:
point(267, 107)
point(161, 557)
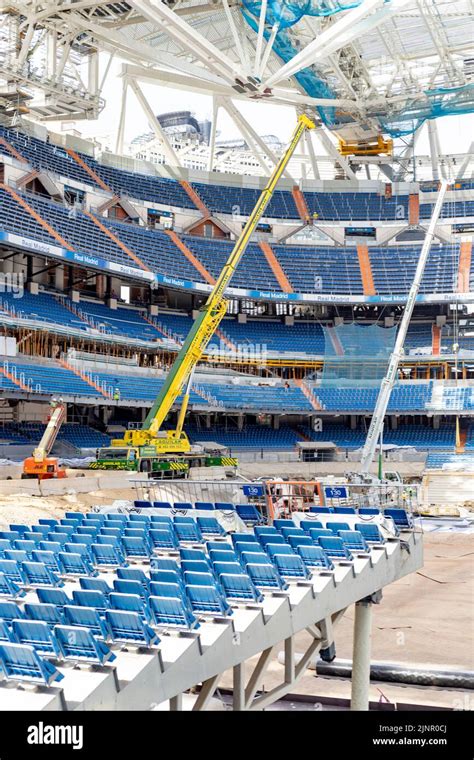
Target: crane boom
point(212, 312)
point(389, 380)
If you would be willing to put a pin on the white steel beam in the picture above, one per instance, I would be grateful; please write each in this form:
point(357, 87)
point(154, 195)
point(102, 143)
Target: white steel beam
point(212, 141)
point(123, 116)
point(350, 26)
point(170, 154)
point(261, 29)
point(189, 38)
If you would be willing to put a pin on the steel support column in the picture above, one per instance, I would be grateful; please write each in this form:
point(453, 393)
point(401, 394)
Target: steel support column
point(361, 655)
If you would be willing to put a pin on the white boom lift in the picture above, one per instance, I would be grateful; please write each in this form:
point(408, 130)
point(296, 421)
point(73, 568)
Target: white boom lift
point(390, 378)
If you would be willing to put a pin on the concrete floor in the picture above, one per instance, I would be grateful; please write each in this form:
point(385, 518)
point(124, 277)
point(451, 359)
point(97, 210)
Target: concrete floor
point(426, 618)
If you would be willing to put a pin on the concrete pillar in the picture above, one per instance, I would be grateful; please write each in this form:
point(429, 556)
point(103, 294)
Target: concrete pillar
point(436, 421)
point(394, 422)
point(353, 422)
point(361, 655)
point(59, 278)
point(276, 422)
point(153, 310)
point(240, 422)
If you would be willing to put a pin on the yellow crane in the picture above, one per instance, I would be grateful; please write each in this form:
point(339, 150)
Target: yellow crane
point(181, 373)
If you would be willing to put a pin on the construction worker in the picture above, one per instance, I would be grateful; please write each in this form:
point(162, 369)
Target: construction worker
point(117, 394)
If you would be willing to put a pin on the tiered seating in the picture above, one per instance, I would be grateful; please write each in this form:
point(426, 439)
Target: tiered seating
point(48, 378)
point(120, 321)
point(404, 397)
point(252, 272)
point(450, 209)
point(252, 437)
point(437, 460)
point(202, 577)
point(393, 268)
point(241, 201)
point(419, 336)
point(81, 436)
point(324, 270)
point(42, 307)
point(356, 206)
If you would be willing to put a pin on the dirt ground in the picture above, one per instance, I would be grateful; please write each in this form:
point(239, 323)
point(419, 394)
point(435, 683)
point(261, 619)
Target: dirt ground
point(426, 618)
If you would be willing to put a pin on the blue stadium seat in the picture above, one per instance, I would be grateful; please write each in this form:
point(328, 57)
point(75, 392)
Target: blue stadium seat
point(9, 588)
point(56, 596)
point(271, 539)
point(83, 549)
point(134, 574)
point(314, 556)
point(222, 556)
point(369, 511)
point(161, 519)
point(163, 539)
point(6, 634)
point(243, 546)
point(247, 537)
point(182, 505)
point(13, 571)
point(400, 517)
point(80, 645)
point(291, 566)
point(130, 587)
point(51, 546)
point(321, 510)
point(187, 532)
point(48, 521)
point(195, 566)
point(130, 603)
point(130, 628)
point(207, 600)
point(207, 505)
point(75, 565)
point(94, 584)
point(252, 558)
point(48, 613)
point(105, 555)
point(87, 617)
point(192, 555)
point(293, 531)
point(225, 506)
point(282, 549)
point(335, 548)
point(337, 526)
point(261, 530)
point(354, 540)
point(265, 577)
point(317, 533)
point(136, 548)
point(303, 540)
point(9, 611)
point(210, 526)
point(344, 511)
point(249, 514)
point(21, 663)
point(85, 598)
point(371, 532)
point(38, 574)
point(229, 568)
point(239, 587)
point(37, 634)
point(169, 590)
point(280, 523)
point(171, 612)
point(48, 558)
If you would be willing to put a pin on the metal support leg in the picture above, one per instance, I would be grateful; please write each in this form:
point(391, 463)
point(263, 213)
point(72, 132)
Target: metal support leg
point(239, 687)
point(289, 660)
point(176, 703)
point(361, 656)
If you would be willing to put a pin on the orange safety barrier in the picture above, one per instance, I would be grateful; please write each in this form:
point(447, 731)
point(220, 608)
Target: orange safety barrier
point(13, 151)
point(276, 268)
point(464, 267)
point(413, 209)
point(89, 170)
point(435, 340)
point(196, 199)
point(313, 400)
point(117, 241)
point(300, 202)
point(191, 257)
point(366, 270)
point(84, 377)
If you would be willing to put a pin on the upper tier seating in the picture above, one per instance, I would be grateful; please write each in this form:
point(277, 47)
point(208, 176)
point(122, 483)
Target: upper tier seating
point(309, 269)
